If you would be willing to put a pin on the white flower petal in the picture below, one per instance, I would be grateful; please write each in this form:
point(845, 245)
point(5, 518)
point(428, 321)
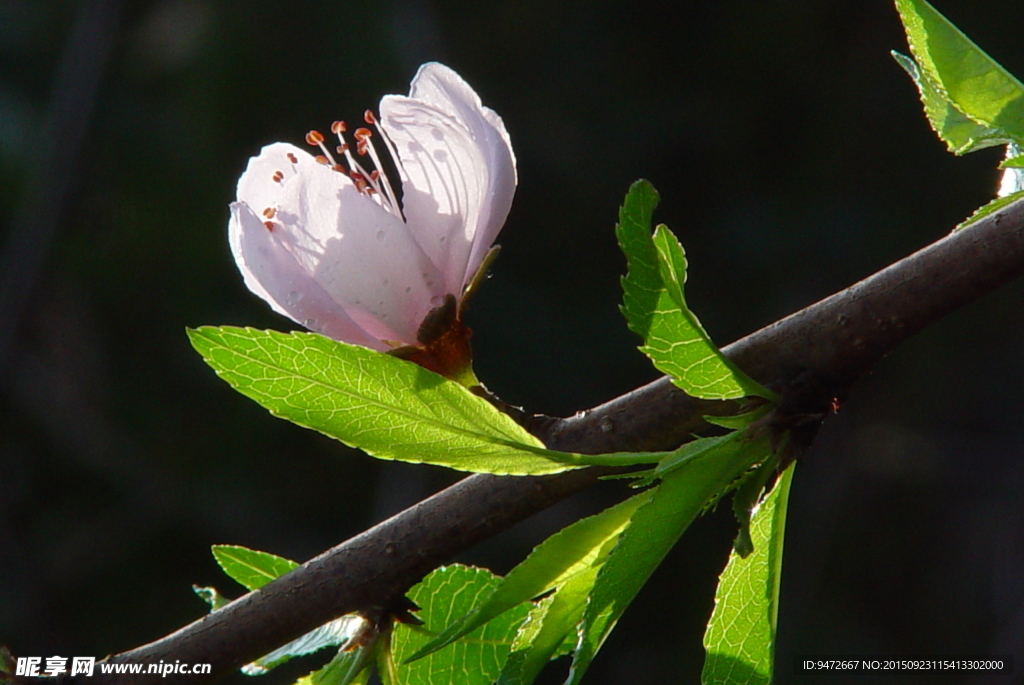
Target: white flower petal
point(459, 170)
point(362, 257)
point(257, 182)
point(271, 272)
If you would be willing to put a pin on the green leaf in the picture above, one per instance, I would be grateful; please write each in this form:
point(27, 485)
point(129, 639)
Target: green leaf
point(475, 659)
point(655, 308)
point(747, 497)
point(740, 639)
point(1015, 162)
point(249, 567)
point(331, 634)
point(960, 133)
point(700, 448)
point(701, 368)
point(572, 551)
point(549, 630)
point(991, 208)
point(390, 408)
point(961, 72)
point(740, 421)
point(745, 500)
point(346, 668)
point(211, 597)
point(655, 527)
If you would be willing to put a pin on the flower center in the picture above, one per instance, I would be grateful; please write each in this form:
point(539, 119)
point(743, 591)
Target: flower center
point(374, 183)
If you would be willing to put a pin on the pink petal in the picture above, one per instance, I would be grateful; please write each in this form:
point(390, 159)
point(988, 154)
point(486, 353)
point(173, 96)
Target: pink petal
point(271, 272)
point(361, 257)
point(460, 172)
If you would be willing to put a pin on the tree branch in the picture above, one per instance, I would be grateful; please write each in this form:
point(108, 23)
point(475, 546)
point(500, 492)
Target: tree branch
point(812, 356)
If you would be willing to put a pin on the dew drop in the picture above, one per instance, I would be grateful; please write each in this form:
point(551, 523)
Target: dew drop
point(309, 323)
point(442, 239)
point(294, 297)
point(380, 235)
point(436, 301)
point(408, 288)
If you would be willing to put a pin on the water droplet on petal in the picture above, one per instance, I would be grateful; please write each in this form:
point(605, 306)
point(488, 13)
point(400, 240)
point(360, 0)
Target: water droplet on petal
point(294, 297)
point(408, 288)
point(380, 235)
point(309, 323)
point(436, 301)
point(442, 239)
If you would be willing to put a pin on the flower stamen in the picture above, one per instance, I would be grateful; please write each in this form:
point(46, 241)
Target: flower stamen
point(373, 183)
point(337, 128)
point(371, 119)
point(363, 136)
point(316, 138)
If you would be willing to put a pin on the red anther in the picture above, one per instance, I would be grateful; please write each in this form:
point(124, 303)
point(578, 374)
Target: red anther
point(361, 147)
point(269, 225)
point(359, 180)
point(278, 176)
point(269, 212)
point(340, 169)
point(362, 134)
point(292, 158)
point(374, 175)
point(320, 159)
point(369, 118)
point(338, 127)
point(314, 137)
point(342, 148)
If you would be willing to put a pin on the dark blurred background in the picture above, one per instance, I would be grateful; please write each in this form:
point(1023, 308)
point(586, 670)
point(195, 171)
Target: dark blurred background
point(792, 158)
